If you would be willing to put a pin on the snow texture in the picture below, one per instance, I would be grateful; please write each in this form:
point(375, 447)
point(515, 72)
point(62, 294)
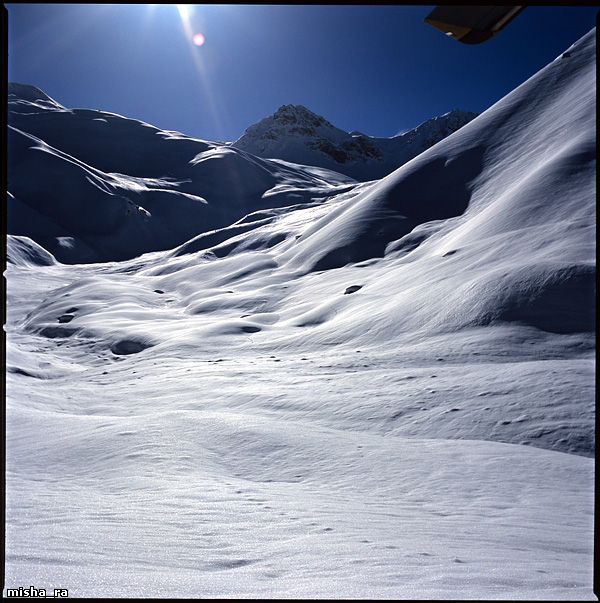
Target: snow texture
point(234, 376)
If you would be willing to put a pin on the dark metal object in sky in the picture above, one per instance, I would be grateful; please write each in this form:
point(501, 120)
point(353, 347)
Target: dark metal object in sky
point(472, 24)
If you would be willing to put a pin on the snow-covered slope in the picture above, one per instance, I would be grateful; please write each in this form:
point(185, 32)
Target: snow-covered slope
point(382, 390)
point(94, 186)
point(28, 99)
point(298, 135)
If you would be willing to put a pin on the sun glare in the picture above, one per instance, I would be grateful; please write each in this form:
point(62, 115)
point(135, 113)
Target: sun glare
point(185, 14)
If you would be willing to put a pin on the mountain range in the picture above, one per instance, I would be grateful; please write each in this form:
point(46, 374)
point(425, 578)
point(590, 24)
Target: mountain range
point(137, 180)
point(298, 135)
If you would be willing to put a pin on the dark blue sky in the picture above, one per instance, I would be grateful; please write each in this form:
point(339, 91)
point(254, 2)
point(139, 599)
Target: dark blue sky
point(377, 69)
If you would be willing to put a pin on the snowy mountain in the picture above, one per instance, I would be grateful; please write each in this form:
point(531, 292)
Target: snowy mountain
point(138, 181)
point(298, 135)
point(362, 390)
point(94, 186)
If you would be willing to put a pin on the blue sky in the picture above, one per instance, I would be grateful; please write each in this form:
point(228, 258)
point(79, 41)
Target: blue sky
point(377, 69)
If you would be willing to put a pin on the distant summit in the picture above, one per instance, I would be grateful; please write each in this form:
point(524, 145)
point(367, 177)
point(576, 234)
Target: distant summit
point(293, 128)
point(295, 134)
point(297, 114)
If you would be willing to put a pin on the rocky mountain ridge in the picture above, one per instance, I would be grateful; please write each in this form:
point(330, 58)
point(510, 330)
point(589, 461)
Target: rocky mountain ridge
point(296, 134)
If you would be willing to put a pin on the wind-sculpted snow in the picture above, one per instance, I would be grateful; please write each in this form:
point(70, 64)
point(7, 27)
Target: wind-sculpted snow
point(25, 252)
point(382, 389)
point(91, 186)
point(433, 187)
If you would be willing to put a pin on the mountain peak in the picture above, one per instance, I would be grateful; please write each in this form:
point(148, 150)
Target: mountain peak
point(298, 114)
point(296, 134)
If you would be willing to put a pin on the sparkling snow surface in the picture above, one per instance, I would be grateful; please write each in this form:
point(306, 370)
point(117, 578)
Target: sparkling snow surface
point(382, 390)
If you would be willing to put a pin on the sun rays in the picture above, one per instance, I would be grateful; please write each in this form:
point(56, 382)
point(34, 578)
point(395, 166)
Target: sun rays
point(197, 39)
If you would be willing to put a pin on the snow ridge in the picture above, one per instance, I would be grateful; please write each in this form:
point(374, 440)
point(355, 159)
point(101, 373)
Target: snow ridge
point(24, 97)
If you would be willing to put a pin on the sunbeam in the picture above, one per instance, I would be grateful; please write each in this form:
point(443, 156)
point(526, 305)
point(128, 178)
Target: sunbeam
point(198, 39)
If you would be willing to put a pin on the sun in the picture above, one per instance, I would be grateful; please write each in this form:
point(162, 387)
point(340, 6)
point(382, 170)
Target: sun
point(185, 13)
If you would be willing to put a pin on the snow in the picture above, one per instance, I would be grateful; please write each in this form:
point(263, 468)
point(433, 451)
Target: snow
point(25, 98)
point(296, 134)
point(332, 388)
point(145, 189)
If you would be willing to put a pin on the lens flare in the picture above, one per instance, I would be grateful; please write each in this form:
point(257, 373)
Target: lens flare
point(185, 11)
